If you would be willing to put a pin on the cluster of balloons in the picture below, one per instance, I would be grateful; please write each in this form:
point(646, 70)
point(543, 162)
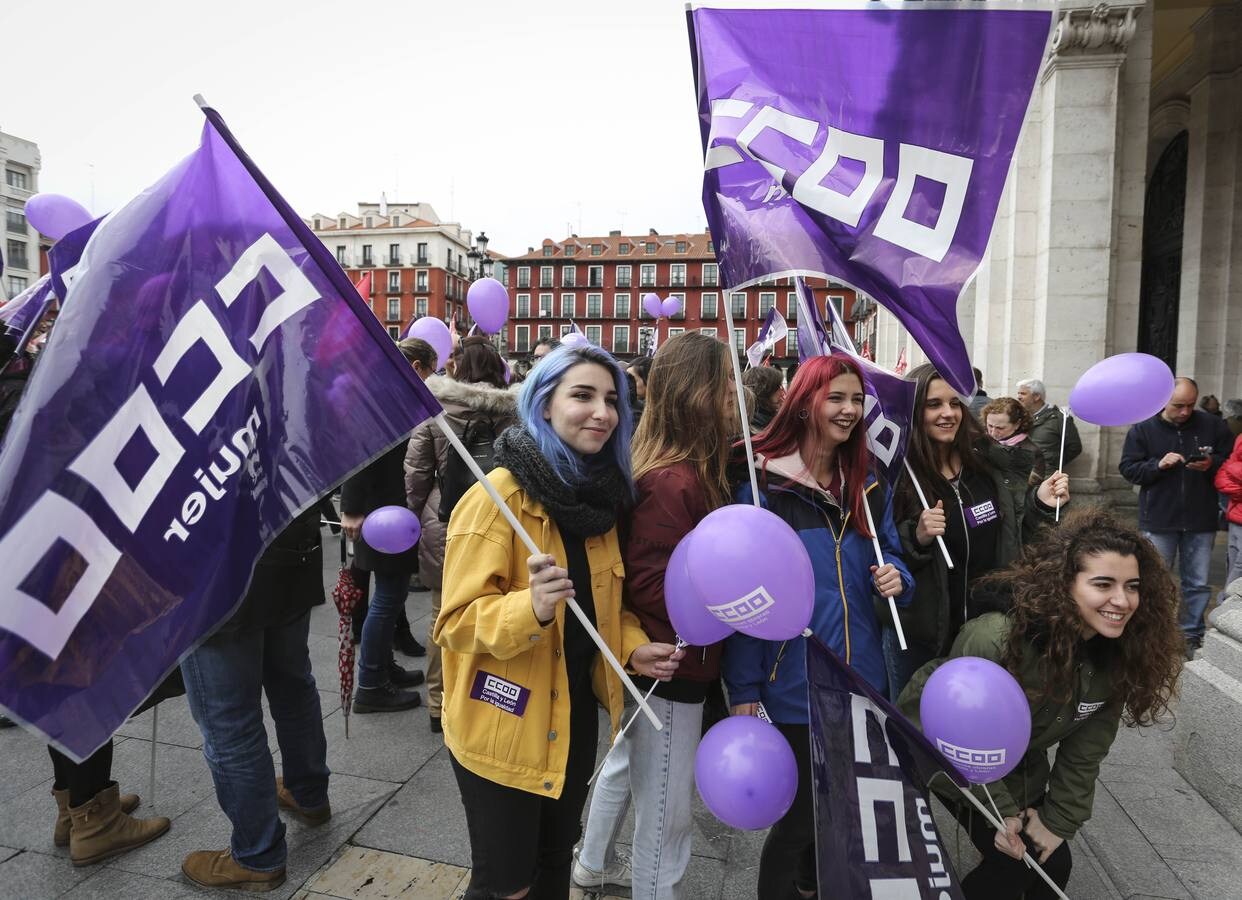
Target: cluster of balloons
point(488, 302)
point(55, 215)
point(661, 309)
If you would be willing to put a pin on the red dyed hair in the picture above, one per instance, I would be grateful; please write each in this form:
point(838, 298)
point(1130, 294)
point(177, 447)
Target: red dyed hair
point(796, 423)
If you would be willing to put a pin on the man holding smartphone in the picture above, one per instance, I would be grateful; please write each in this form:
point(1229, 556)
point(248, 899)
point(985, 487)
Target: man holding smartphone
point(1173, 458)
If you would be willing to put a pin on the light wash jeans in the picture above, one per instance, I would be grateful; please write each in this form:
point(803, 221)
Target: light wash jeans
point(660, 766)
point(1192, 551)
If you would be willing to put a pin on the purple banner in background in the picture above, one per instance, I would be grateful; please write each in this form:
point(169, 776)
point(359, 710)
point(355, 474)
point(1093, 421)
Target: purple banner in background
point(869, 145)
point(212, 373)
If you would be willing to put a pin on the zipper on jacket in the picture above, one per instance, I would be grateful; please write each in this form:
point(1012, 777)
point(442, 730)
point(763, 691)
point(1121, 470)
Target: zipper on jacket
point(966, 532)
point(836, 539)
point(779, 655)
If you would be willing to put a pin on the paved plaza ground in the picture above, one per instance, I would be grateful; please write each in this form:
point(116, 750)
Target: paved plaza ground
point(398, 829)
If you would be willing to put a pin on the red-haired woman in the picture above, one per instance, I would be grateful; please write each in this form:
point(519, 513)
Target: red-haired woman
point(815, 473)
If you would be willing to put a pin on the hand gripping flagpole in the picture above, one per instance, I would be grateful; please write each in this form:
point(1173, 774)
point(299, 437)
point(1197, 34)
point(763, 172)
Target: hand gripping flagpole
point(918, 489)
point(1065, 414)
point(469, 460)
point(879, 561)
point(741, 405)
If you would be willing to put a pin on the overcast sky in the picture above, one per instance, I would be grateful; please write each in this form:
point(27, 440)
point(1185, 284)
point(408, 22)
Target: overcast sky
point(523, 119)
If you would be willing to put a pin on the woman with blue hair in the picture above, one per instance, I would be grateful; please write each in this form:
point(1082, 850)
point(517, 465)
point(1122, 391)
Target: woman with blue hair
point(522, 678)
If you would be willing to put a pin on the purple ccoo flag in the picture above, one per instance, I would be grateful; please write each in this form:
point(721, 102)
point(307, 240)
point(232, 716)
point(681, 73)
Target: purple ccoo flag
point(212, 374)
point(775, 329)
point(870, 145)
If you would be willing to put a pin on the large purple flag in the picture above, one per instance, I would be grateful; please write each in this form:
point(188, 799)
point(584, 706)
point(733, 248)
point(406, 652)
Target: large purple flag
point(869, 145)
point(889, 406)
point(875, 835)
point(212, 374)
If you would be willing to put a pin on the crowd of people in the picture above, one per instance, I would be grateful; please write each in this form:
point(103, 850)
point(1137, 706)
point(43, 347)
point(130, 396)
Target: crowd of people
point(606, 468)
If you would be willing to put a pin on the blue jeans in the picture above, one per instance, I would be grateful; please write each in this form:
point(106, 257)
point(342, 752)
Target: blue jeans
point(1192, 551)
point(900, 665)
point(375, 651)
point(224, 682)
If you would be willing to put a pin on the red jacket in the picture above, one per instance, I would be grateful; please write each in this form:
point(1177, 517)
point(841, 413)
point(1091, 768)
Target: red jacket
point(1229, 482)
point(670, 504)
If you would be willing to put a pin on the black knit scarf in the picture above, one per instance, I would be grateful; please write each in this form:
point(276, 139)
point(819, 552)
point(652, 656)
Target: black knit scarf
point(587, 508)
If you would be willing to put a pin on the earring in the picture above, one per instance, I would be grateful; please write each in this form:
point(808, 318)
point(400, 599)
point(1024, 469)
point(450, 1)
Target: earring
point(803, 414)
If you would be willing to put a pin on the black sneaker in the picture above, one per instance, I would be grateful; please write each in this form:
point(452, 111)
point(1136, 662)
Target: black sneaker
point(405, 678)
point(6, 722)
point(384, 699)
point(403, 642)
point(436, 726)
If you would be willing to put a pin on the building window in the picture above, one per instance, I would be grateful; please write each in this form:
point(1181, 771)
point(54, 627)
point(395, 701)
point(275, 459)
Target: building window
point(709, 307)
point(394, 254)
point(595, 334)
point(673, 332)
point(448, 259)
point(545, 305)
point(523, 306)
point(367, 259)
point(595, 306)
point(711, 275)
point(394, 221)
point(645, 337)
point(739, 338)
point(17, 284)
point(569, 306)
point(394, 332)
point(791, 306)
point(597, 249)
point(838, 303)
point(621, 339)
point(340, 254)
point(521, 336)
point(681, 247)
point(650, 248)
point(570, 249)
point(370, 222)
point(677, 274)
point(647, 275)
point(681, 298)
point(422, 254)
point(340, 223)
point(710, 332)
point(394, 282)
point(394, 308)
point(17, 255)
point(623, 276)
point(523, 276)
point(15, 179)
point(595, 276)
point(545, 332)
point(547, 251)
point(791, 342)
point(420, 280)
point(565, 329)
point(767, 300)
point(420, 307)
point(711, 247)
point(621, 306)
point(15, 221)
point(568, 275)
point(738, 302)
point(623, 250)
point(545, 276)
point(318, 224)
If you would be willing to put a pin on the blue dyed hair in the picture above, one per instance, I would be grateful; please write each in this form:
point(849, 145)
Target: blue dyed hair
point(536, 394)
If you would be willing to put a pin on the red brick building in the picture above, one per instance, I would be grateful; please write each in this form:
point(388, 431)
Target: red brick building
point(599, 283)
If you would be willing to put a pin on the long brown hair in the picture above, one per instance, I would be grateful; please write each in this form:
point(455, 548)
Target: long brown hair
point(1146, 659)
point(683, 420)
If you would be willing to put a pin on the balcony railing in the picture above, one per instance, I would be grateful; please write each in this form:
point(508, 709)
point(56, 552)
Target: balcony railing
point(421, 260)
point(394, 261)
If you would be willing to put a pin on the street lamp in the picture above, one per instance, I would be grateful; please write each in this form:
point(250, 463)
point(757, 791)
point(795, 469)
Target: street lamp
point(480, 262)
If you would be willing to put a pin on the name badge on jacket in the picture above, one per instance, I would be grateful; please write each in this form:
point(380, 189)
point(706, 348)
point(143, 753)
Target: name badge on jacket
point(981, 514)
point(1086, 710)
point(504, 695)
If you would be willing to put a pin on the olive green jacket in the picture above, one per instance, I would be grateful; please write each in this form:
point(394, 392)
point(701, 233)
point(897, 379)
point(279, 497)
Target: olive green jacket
point(1082, 729)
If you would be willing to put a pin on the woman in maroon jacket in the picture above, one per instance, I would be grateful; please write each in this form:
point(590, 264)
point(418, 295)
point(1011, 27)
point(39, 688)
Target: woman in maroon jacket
point(680, 454)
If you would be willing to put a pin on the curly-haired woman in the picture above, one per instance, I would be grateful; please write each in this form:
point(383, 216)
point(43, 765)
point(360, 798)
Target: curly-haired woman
point(1091, 634)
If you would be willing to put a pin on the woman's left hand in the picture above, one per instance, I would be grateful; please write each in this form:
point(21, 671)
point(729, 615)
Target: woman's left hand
point(887, 580)
point(1055, 486)
point(657, 661)
point(1044, 840)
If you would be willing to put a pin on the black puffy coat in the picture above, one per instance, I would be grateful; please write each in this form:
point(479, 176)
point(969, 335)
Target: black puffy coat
point(382, 483)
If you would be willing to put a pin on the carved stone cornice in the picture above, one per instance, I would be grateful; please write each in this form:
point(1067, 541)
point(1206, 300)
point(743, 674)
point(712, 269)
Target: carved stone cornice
point(1103, 29)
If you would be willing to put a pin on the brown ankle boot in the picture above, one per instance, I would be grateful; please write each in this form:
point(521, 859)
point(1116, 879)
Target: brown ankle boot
point(217, 868)
point(312, 817)
point(60, 834)
point(100, 829)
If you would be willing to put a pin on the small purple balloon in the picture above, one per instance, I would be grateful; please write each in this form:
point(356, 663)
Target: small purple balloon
point(977, 715)
point(435, 333)
point(488, 302)
point(686, 609)
point(55, 215)
point(746, 772)
point(670, 307)
point(1122, 390)
point(574, 339)
point(654, 305)
point(391, 529)
point(753, 572)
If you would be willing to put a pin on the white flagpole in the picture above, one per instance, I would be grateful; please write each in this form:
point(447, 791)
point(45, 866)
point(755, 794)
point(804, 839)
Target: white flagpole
point(1065, 414)
point(469, 460)
point(879, 561)
point(918, 489)
point(741, 402)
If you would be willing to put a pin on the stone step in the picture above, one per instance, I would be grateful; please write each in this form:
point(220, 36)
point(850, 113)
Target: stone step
point(1209, 727)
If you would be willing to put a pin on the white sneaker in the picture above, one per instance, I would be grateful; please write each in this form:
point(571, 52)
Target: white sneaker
point(619, 874)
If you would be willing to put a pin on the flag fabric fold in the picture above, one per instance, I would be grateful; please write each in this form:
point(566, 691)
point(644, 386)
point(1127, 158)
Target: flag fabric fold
point(213, 372)
point(774, 330)
point(874, 831)
point(870, 145)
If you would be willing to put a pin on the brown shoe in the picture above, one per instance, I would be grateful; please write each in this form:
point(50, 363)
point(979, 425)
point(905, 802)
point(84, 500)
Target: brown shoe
point(100, 830)
point(311, 817)
point(60, 834)
point(217, 868)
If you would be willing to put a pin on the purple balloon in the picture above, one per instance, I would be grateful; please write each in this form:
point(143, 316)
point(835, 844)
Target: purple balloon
point(435, 333)
point(391, 529)
point(670, 307)
point(488, 302)
point(574, 339)
point(653, 305)
point(978, 716)
point(753, 572)
point(55, 215)
point(1122, 390)
point(746, 772)
point(686, 609)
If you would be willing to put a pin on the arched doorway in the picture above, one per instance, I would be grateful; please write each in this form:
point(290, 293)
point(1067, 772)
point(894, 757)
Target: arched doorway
point(1164, 213)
